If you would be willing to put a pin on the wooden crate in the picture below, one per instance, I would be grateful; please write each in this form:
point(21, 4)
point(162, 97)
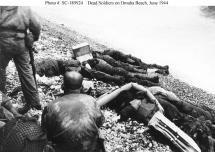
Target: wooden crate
point(82, 52)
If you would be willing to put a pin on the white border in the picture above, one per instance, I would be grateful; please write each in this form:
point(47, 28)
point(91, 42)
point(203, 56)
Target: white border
point(170, 2)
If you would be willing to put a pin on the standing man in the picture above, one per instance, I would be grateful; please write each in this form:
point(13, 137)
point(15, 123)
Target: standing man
point(15, 23)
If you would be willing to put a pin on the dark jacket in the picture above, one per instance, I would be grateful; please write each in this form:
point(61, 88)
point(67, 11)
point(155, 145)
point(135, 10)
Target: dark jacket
point(15, 21)
point(72, 123)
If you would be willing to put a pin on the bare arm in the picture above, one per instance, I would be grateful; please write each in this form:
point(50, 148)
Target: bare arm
point(107, 97)
point(149, 94)
point(168, 94)
point(104, 99)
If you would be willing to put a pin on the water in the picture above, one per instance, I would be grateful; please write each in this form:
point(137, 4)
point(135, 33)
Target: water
point(178, 36)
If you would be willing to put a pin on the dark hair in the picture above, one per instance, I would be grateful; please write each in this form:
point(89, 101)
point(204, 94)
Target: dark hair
point(73, 125)
point(72, 80)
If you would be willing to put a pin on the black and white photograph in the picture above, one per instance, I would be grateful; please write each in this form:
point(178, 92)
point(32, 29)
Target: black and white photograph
point(107, 76)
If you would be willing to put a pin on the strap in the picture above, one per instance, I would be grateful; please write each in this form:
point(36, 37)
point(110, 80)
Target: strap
point(12, 33)
point(6, 29)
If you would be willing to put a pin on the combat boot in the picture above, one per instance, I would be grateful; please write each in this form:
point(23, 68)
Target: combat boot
point(24, 109)
point(37, 106)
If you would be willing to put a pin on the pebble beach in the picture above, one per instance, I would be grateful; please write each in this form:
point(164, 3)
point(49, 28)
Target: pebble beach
point(57, 40)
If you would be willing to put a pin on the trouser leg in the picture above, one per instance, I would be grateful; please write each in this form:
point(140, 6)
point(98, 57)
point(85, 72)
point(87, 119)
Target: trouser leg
point(4, 60)
point(28, 84)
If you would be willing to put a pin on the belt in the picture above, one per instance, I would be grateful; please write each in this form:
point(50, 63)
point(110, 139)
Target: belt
point(9, 33)
point(5, 29)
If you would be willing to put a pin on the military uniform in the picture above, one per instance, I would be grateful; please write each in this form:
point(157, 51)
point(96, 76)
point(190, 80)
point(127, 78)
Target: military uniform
point(72, 123)
point(7, 111)
point(14, 23)
point(18, 133)
point(22, 135)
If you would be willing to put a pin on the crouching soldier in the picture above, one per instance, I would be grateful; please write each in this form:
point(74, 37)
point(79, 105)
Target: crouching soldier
point(72, 121)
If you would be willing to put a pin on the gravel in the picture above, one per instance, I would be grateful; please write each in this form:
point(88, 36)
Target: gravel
point(56, 41)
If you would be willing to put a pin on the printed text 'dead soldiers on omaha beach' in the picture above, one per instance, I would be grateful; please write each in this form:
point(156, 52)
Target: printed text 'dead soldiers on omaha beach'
point(127, 2)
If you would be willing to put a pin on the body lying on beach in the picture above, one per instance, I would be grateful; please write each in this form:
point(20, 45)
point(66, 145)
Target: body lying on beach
point(139, 103)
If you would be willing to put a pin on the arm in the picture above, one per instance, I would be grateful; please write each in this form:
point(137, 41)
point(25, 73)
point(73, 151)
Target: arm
point(149, 95)
point(167, 94)
point(107, 97)
point(8, 105)
point(104, 99)
point(172, 96)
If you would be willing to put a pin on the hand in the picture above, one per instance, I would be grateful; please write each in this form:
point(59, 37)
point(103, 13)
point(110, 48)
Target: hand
point(127, 86)
point(34, 49)
point(29, 40)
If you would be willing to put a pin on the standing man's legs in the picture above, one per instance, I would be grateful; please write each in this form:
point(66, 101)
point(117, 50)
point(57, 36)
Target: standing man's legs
point(22, 62)
point(4, 60)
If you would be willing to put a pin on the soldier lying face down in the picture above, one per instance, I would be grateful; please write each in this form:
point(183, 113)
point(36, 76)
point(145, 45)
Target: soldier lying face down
point(118, 63)
point(72, 122)
point(55, 67)
point(101, 70)
point(136, 105)
point(139, 103)
point(129, 59)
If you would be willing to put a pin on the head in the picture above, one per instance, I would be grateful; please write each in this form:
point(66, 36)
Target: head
point(72, 81)
point(72, 124)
